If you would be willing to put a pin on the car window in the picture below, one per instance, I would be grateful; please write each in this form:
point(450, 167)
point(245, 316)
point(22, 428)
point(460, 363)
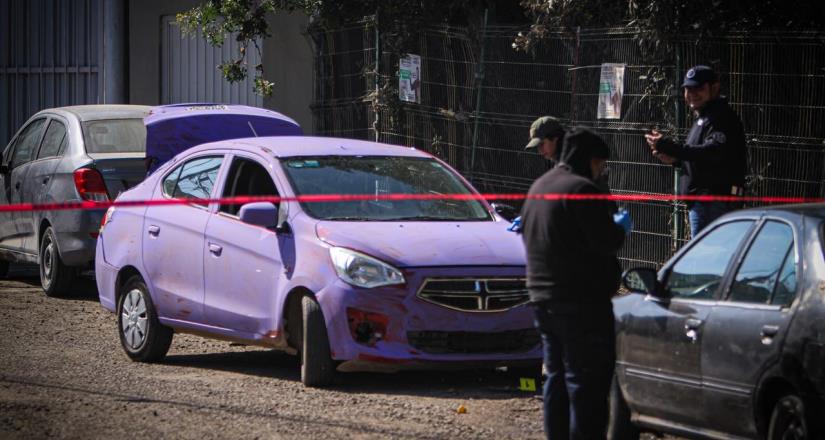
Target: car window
point(246, 178)
point(197, 178)
point(27, 143)
point(786, 284)
point(379, 176)
point(699, 271)
point(52, 141)
point(171, 181)
point(759, 271)
point(115, 136)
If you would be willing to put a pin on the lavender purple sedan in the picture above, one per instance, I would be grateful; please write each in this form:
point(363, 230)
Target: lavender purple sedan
point(347, 285)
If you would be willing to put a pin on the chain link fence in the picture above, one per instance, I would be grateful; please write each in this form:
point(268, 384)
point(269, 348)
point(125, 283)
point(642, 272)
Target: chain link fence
point(479, 96)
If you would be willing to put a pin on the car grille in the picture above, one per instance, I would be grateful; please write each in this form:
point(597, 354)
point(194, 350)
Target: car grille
point(436, 342)
point(475, 294)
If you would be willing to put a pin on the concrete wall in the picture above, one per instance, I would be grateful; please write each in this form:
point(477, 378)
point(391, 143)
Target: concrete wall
point(287, 58)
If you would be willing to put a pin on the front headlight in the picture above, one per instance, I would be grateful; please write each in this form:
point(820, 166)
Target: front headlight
point(362, 270)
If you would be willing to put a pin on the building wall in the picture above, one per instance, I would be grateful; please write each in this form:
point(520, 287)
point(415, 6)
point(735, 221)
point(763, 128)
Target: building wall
point(287, 58)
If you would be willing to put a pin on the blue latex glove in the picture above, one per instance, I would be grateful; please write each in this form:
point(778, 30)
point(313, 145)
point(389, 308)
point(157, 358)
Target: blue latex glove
point(516, 225)
point(622, 218)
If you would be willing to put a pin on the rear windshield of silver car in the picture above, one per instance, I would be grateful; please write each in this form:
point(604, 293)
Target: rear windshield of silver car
point(375, 180)
point(114, 136)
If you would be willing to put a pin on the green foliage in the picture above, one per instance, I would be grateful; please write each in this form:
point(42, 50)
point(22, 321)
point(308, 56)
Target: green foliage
point(398, 22)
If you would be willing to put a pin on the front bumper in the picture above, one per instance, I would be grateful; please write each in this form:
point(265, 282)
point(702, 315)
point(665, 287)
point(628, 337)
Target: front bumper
point(420, 334)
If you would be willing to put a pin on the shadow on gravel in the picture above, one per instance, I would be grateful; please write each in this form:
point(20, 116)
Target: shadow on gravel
point(312, 420)
point(84, 287)
point(485, 383)
point(272, 364)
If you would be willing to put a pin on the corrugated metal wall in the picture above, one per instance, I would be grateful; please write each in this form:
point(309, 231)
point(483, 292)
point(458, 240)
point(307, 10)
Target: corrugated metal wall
point(189, 70)
point(51, 55)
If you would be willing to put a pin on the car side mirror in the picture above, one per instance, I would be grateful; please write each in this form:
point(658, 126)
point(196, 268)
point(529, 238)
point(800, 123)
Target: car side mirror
point(260, 214)
point(642, 280)
point(505, 211)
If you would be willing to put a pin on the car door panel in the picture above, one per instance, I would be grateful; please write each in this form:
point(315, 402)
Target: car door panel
point(744, 333)
point(39, 180)
point(242, 262)
point(173, 240)
point(24, 150)
point(661, 337)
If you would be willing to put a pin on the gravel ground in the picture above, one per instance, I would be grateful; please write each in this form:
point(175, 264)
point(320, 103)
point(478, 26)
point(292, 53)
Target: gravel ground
point(63, 374)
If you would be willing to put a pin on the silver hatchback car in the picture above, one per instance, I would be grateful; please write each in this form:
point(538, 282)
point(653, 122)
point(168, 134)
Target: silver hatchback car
point(67, 154)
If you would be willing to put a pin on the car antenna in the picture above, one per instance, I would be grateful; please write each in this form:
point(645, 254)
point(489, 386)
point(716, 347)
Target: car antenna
point(252, 128)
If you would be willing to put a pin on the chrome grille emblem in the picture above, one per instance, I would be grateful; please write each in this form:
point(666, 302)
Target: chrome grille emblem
point(475, 294)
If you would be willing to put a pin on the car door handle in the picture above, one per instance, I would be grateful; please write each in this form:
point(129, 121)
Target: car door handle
point(45, 180)
point(154, 231)
point(215, 249)
point(692, 329)
point(769, 331)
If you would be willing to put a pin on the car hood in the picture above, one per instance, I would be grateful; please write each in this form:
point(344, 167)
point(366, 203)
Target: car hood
point(419, 244)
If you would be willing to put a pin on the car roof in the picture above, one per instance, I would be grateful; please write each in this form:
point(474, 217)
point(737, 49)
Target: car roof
point(103, 111)
point(803, 209)
point(303, 146)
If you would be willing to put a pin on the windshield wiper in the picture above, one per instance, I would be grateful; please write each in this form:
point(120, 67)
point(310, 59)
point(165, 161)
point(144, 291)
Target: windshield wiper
point(423, 218)
point(347, 218)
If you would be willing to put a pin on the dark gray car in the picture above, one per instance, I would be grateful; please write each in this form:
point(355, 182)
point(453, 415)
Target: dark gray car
point(727, 340)
point(62, 155)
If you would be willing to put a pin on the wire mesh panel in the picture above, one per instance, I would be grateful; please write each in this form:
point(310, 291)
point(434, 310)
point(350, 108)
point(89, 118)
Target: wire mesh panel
point(479, 97)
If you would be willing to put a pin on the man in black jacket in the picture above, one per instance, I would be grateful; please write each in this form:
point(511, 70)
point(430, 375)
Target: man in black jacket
point(572, 273)
point(713, 159)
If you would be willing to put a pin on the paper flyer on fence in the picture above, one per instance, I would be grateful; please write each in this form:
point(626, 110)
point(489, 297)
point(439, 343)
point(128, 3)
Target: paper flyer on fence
point(409, 79)
point(611, 89)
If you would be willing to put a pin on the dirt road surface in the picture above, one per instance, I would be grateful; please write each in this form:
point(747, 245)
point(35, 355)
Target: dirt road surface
point(63, 374)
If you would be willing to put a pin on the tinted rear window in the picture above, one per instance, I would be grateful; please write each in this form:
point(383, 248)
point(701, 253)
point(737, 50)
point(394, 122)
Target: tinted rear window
point(115, 136)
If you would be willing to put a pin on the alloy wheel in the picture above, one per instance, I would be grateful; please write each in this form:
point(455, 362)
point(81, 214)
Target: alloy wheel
point(134, 318)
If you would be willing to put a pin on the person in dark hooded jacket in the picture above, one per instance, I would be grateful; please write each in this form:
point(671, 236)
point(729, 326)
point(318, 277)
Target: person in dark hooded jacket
point(572, 273)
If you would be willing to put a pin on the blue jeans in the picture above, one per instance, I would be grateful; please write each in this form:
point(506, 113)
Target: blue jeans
point(579, 356)
point(702, 214)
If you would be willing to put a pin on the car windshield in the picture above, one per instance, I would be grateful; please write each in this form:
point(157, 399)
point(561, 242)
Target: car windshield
point(115, 136)
point(378, 176)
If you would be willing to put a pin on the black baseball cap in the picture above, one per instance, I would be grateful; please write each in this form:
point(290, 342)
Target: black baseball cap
point(699, 75)
point(544, 127)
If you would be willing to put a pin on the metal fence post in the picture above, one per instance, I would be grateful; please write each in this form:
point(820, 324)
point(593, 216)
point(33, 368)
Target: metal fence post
point(377, 121)
point(677, 220)
point(479, 83)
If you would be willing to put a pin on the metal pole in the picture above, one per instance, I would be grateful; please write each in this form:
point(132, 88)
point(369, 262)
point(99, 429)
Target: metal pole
point(479, 81)
point(114, 51)
point(377, 121)
point(677, 220)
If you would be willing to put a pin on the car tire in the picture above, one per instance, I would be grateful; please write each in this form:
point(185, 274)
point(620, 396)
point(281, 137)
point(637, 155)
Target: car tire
point(619, 425)
point(55, 277)
point(788, 419)
point(143, 337)
point(4, 268)
point(317, 367)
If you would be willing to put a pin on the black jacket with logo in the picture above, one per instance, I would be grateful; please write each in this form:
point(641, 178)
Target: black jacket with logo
point(571, 244)
point(713, 158)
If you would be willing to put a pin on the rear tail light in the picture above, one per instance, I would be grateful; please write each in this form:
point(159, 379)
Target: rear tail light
point(90, 185)
point(106, 217)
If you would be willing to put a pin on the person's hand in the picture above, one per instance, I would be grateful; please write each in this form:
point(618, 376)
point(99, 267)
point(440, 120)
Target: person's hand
point(622, 218)
point(670, 160)
point(652, 138)
point(515, 226)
